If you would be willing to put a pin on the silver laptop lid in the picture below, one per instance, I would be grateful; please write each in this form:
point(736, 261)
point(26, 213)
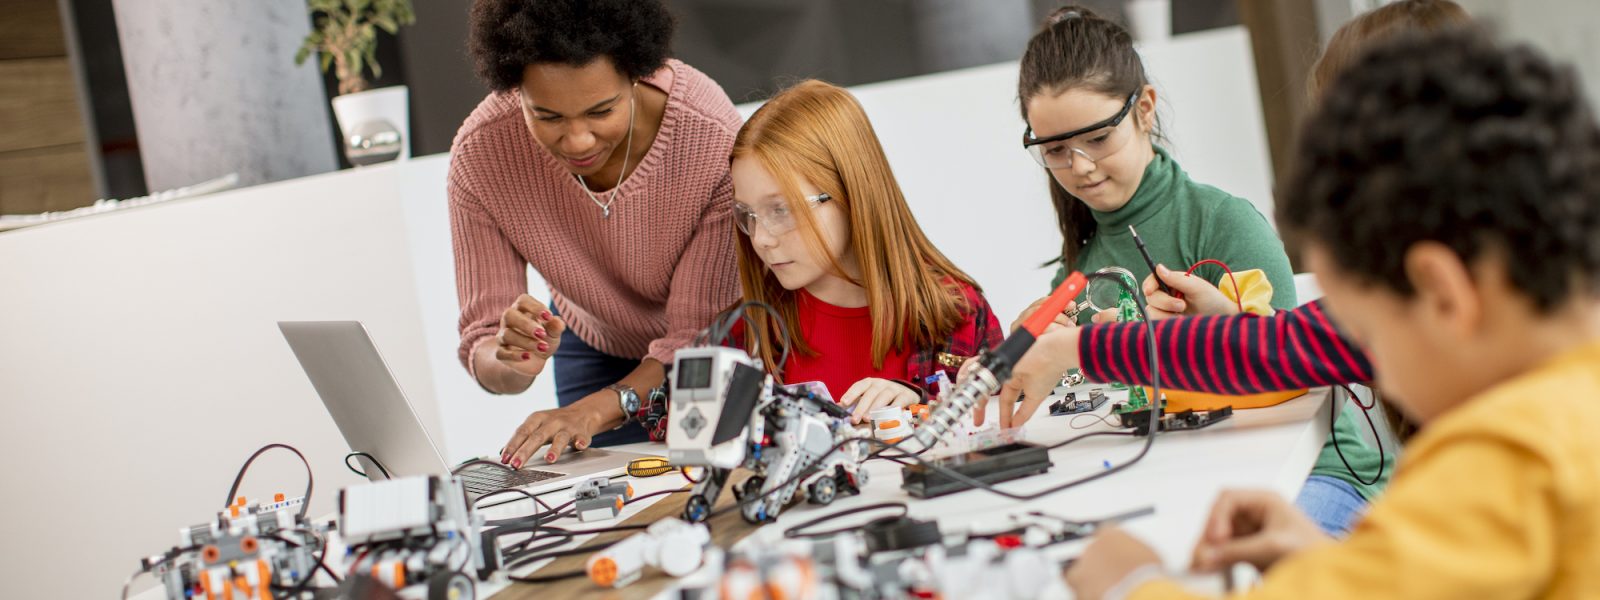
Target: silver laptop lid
point(362, 396)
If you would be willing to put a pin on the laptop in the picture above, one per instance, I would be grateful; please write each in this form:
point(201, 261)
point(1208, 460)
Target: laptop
point(375, 417)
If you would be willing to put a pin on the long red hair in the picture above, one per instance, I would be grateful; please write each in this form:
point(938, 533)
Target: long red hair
point(818, 133)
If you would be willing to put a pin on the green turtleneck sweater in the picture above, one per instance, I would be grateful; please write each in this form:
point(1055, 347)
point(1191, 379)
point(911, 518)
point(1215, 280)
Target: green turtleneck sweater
point(1183, 222)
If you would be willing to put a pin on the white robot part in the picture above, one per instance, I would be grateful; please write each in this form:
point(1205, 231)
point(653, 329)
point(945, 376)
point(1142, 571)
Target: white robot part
point(701, 382)
point(675, 547)
point(890, 424)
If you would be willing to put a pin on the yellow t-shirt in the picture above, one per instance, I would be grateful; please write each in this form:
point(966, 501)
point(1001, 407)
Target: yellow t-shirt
point(1499, 498)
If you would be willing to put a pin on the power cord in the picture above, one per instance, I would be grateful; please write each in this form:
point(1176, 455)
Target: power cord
point(237, 479)
point(1238, 294)
point(1150, 435)
point(799, 531)
point(1333, 412)
point(169, 556)
point(375, 462)
point(322, 553)
point(722, 326)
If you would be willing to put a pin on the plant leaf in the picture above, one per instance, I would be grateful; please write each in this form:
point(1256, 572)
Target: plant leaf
point(355, 62)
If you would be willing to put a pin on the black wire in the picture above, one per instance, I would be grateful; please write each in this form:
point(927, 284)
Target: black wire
point(916, 456)
point(517, 490)
point(534, 555)
point(237, 479)
point(171, 555)
point(554, 577)
point(660, 493)
point(536, 519)
point(1090, 435)
point(796, 531)
point(1333, 411)
point(797, 476)
point(301, 586)
point(325, 569)
point(1154, 428)
point(370, 457)
point(685, 472)
point(478, 461)
point(722, 326)
point(521, 549)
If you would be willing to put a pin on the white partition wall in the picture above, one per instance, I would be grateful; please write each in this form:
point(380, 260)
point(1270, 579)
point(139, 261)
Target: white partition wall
point(140, 363)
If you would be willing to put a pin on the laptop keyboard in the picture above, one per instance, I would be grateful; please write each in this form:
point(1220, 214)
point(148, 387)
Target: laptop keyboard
point(481, 478)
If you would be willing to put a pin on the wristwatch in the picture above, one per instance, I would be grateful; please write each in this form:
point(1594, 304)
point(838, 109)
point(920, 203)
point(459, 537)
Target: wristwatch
point(627, 400)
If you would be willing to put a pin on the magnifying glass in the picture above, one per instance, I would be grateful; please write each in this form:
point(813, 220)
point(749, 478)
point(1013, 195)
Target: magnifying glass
point(1103, 293)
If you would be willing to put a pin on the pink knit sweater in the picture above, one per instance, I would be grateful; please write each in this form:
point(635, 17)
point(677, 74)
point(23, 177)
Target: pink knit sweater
point(638, 284)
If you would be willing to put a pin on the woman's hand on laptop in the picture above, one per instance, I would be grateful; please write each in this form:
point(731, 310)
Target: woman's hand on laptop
point(572, 426)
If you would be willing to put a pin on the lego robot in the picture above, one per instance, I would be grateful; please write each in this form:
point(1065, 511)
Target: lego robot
point(417, 531)
point(249, 551)
point(728, 413)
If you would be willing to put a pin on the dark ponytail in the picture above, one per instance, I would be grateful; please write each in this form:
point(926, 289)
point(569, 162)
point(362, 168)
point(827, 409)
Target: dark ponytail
point(1078, 49)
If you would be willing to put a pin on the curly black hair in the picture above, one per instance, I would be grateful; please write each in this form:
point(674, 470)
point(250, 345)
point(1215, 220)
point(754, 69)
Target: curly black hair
point(1453, 138)
point(509, 35)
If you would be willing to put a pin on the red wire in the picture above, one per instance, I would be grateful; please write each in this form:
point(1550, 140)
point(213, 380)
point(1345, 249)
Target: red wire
point(1238, 294)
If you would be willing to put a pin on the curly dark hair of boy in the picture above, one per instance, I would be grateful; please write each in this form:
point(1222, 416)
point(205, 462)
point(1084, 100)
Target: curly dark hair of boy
point(509, 35)
point(1454, 138)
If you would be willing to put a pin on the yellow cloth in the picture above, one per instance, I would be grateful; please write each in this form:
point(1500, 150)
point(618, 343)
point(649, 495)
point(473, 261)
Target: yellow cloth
point(1257, 299)
point(1499, 498)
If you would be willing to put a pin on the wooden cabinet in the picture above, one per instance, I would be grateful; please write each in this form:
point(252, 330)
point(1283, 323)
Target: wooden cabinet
point(44, 163)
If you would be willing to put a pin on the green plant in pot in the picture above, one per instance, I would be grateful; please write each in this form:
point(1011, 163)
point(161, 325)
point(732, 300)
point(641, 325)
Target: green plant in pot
point(374, 123)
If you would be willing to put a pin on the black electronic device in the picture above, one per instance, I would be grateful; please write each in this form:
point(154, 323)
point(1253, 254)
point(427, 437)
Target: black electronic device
point(1071, 405)
point(990, 465)
point(1188, 420)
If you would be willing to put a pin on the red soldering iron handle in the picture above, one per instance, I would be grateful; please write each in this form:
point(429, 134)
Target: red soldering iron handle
point(1056, 303)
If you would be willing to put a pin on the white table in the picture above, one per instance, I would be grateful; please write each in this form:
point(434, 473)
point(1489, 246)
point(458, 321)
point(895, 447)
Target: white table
point(1270, 448)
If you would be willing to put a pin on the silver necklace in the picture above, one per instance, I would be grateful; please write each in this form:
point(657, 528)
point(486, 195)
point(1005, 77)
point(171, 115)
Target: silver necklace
point(605, 207)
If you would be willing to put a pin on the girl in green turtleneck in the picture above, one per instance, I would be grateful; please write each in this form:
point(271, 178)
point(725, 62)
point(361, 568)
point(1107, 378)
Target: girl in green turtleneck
point(1091, 113)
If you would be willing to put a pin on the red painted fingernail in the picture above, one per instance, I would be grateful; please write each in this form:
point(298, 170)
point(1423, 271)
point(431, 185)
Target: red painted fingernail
point(545, 315)
point(538, 333)
point(543, 347)
point(516, 463)
point(526, 356)
point(550, 457)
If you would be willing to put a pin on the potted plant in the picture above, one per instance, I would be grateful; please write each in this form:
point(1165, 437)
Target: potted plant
point(375, 123)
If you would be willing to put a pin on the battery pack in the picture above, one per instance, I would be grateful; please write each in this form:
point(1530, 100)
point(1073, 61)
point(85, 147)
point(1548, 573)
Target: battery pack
point(989, 465)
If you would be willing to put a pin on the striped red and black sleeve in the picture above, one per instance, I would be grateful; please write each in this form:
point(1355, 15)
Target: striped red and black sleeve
point(1236, 354)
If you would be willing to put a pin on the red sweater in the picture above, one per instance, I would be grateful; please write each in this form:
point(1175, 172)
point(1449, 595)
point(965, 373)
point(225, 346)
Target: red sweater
point(842, 338)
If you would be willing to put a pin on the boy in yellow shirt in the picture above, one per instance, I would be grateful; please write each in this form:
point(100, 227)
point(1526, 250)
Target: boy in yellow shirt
point(1448, 196)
